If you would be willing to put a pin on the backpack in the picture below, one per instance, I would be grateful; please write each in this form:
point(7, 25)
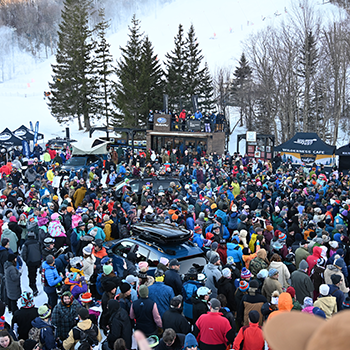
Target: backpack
point(99, 284)
point(88, 335)
point(115, 231)
point(43, 278)
point(35, 334)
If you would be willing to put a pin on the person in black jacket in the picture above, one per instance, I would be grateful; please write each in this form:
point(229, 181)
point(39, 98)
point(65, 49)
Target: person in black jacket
point(4, 253)
point(25, 315)
point(227, 288)
point(171, 340)
point(31, 254)
point(200, 302)
point(119, 324)
point(14, 227)
point(172, 277)
point(173, 318)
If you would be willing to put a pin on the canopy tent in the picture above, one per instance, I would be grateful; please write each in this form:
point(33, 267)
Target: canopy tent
point(344, 157)
point(26, 133)
point(307, 148)
point(7, 138)
point(89, 146)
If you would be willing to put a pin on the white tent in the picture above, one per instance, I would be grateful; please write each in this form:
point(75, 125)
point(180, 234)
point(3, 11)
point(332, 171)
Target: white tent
point(89, 146)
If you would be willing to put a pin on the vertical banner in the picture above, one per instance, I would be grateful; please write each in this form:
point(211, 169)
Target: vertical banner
point(26, 151)
point(165, 103)
point(36, 133)
point(195, 103)
point(31, 126)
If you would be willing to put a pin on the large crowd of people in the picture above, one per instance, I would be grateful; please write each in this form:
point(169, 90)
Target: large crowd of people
point(275, 237)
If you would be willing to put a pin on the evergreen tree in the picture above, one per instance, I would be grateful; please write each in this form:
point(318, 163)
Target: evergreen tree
point(306, 72)
point(153, 78)
point(194, 72)
point(104, 68)
point(241, 90)
point(206, 95)
point(130, 90)
point(74, 83)
point(176, 70)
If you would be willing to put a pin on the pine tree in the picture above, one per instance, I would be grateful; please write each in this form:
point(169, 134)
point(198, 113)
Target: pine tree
point(153, 78)
point(176, 70)
point(307, 70)
point(104, 68)
point(130, 92)
point(194, 73)
point(74, 83)
point(206, 95)
point(240, 90)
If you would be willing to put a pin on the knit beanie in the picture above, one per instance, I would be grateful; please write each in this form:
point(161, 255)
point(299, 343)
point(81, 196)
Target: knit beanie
point(245, 273)
point(107, 269)
point(29, 344)
point(27, 300)
point(243, 286)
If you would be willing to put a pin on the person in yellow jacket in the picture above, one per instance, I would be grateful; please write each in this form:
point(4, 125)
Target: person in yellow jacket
point(108, 228)
point(50, 175)
point(79, 196)
point(84, 324)
point(47, 157)
point(236, 188)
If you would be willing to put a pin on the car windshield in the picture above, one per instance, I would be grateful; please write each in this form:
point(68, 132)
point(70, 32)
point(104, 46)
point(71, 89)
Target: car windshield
point(76, 161)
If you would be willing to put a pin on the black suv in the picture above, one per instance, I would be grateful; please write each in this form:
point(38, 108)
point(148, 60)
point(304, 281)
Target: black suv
point(151, 241)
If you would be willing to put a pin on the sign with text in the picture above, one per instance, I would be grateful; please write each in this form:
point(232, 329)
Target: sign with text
point(194, 125)
point(162, 122)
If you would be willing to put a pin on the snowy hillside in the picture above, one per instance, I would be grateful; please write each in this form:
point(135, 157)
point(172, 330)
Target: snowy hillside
point(220, 26)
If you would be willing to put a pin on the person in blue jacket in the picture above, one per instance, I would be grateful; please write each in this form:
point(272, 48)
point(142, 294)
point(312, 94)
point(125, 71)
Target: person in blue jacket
point(223, 229)
point(198, 115)
point(47, 331)
point(190, 221)
point(234, 250)
point(51, 280)
point(198, 237)
point(160, 293)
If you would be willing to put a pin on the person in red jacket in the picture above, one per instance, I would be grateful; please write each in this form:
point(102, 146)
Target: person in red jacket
point(213, 330)
point(251, 335)
point(312, 259)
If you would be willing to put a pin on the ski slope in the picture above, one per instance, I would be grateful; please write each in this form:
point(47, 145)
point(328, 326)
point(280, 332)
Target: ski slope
point(220, 26)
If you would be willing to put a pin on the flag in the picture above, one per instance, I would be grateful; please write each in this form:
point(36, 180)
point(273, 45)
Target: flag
point(36, 133)
point(25, 146)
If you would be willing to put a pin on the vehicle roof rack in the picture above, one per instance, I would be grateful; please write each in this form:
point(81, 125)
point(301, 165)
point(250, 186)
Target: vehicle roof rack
point(161, 233)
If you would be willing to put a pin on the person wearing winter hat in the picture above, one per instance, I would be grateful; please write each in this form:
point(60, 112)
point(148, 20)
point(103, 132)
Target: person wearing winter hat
point(226, 287)
point(145, 313)
point(172, 277)
point(326, 302)
point(110, 289)
point(301, 282)
point(47, 337)
point(251, 301)
point(308, 305)
point(7, 341)
point(336, 269)
point(89, 262)
point(296, 304)
point(12, 281)
point(160, 293)
point(25, 315)
point(64, 314)
point(190, 342)
point(251, 336)
point(334, 290)
point(213, 273)
point(271, 284)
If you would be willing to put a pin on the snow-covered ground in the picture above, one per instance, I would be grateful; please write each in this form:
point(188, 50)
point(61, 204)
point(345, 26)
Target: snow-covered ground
point(220, 26)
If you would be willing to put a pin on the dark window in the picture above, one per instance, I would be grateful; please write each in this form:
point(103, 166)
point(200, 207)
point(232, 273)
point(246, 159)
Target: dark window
point(141, 253)
point(123, 248)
